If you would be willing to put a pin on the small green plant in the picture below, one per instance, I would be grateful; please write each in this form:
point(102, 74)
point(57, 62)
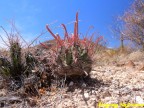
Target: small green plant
point(16, 62)
point(71, 56)
point(16, 66)
point(12, 67)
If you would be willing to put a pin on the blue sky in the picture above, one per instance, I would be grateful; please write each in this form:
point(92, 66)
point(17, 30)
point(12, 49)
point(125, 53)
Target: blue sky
point(31, 16)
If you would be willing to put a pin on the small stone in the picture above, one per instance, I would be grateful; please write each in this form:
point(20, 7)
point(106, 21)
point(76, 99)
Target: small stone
point(71, 83)
point(93, 91)
point(86, 95)
point(139, 100)
point(33, 71)
point(130, 64)
point(83, 85)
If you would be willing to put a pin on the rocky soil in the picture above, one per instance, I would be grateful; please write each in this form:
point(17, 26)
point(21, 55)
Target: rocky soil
point(115, 83)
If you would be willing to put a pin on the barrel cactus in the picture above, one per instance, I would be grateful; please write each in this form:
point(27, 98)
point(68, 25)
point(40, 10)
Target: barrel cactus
point(71, 56)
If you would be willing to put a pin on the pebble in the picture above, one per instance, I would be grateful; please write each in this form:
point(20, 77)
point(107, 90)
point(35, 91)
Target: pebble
point(139, 100)
point(86, 96)
point(71, 83)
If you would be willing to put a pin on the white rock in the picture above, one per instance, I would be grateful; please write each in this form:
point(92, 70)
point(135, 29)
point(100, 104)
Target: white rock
point(86, 95)
point(139, 100)
point(33, 71)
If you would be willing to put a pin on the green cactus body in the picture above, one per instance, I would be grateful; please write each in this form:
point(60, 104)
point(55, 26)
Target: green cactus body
point(69, 58)
point(15, 52)
point(84, 55)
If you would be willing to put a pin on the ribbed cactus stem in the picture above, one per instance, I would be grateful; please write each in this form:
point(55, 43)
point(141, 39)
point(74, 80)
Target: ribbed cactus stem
point(15, 53)
point(69, 58)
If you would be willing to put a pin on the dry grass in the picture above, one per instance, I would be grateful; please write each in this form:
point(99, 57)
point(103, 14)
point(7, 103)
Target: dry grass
point(116, 56)
point(4, 52)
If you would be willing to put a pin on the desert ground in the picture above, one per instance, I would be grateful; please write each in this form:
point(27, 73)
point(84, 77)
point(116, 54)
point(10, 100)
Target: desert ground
point(114, 79)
